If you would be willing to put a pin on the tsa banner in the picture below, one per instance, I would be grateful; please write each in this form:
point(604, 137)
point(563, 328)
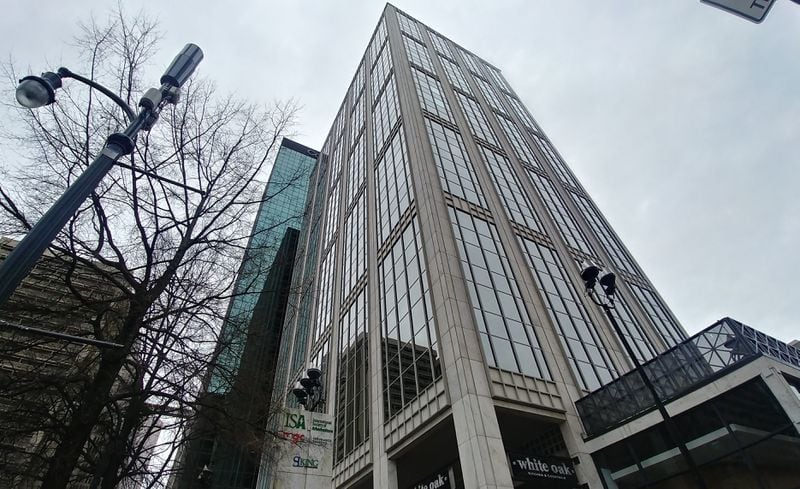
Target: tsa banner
point(304, 451)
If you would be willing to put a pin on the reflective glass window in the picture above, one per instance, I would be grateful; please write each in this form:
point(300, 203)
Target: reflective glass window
point(357, 120)
point(611, 243)
point(509, 188)
point(385, 115)
point(667, 328)
point(409, 26)
point(410, 349)
point(521, 112)
point(356, 171)
point(431, 96)
point(559, 213)
point(377, 40)
point(392, 186)
point(354, 253)
point(497, 77)
point(472, 63)
point(585, 351)
point(477, 121)
point(454, 75)
point(332, 221)
point(418, 54)
point(508, 338)
point(352, 387)
point(325, 301)
point(491, 95)
point(441, 45)
point(456, 172)
point(517, 141)
point(564, 174)
point(381, 71)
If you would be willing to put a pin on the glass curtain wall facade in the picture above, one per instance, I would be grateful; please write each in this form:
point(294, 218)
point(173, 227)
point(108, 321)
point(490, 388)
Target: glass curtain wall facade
point(232, 410)
point(445, 228)
point(281, 208)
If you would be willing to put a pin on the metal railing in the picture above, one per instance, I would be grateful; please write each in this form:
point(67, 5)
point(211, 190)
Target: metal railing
point(723, 346)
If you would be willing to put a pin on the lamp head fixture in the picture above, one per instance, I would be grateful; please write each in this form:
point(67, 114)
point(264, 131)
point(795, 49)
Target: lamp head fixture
point(589, 275)
point(609, 283)
point(299, 393)
point(314, 373)
point(37, 91)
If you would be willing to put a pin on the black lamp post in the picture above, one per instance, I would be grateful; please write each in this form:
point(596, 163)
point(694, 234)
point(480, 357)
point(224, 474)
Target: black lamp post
point(309, 390)
point(608, 284)
point(38, 91)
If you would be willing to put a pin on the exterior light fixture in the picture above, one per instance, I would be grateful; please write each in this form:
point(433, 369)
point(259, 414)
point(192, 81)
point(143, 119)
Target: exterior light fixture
point(608, 282)
point(309, 391)
point(37, 91)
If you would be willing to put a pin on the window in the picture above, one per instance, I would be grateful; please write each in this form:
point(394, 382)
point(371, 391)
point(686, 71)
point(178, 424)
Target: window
point(378, 39)
point(381, 71)
point(325, 302)
point(431, 96)
point(392, 186)
point(521, 112)
point(409, 26)
point(471, 62)
point(352, 388)
point(455, 76)
point(354, 253)
point(477, 121)
point(564, 175)
point(441, 45)
point(410, 349)
point(509, 188)
point(489, 92)
point(385, 115)
point(507, 335)
point(603, 231)
point(587, 355)
point(517, 141)
point(668, 328)
point(356, 171)
point(456, 172)
point(559, 213)
point(418, 54)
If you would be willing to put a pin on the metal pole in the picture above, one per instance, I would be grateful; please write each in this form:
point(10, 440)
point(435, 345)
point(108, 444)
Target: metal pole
point(60, 336)
point(672, 430)
point(24, 256)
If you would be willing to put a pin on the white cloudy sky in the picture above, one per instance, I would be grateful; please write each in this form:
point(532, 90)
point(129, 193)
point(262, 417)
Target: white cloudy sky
point(682, 121)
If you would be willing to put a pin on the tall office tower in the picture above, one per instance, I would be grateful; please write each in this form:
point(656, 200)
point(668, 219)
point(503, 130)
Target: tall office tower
point(227, 437)
point(441, 289)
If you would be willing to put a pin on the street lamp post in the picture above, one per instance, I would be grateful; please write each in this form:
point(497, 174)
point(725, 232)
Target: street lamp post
point(309, 390)
point(38, 91)
point(607, 282)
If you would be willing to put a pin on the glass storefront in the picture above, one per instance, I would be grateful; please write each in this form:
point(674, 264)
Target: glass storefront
point(740, 439)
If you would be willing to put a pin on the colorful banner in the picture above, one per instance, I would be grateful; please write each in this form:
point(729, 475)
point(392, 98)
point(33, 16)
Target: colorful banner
point(303, 451)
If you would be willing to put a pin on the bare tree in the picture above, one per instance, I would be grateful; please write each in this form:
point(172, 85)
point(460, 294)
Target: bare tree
point(162, 260)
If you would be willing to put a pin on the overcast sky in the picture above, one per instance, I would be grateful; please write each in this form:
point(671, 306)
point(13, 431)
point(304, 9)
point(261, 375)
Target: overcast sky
point(682, 121)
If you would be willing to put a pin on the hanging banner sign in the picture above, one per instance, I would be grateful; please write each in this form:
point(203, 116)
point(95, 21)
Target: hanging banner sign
point(303, 451)
point(547, 472)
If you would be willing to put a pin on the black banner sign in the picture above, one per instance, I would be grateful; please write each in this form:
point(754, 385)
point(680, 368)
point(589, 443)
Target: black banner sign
point(549, 472)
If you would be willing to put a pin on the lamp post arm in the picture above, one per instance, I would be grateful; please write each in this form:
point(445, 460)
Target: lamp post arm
point(65, 73)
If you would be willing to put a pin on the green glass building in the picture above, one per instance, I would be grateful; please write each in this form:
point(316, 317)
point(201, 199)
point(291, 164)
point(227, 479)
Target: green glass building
point(281, 209)
point(227, 433)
